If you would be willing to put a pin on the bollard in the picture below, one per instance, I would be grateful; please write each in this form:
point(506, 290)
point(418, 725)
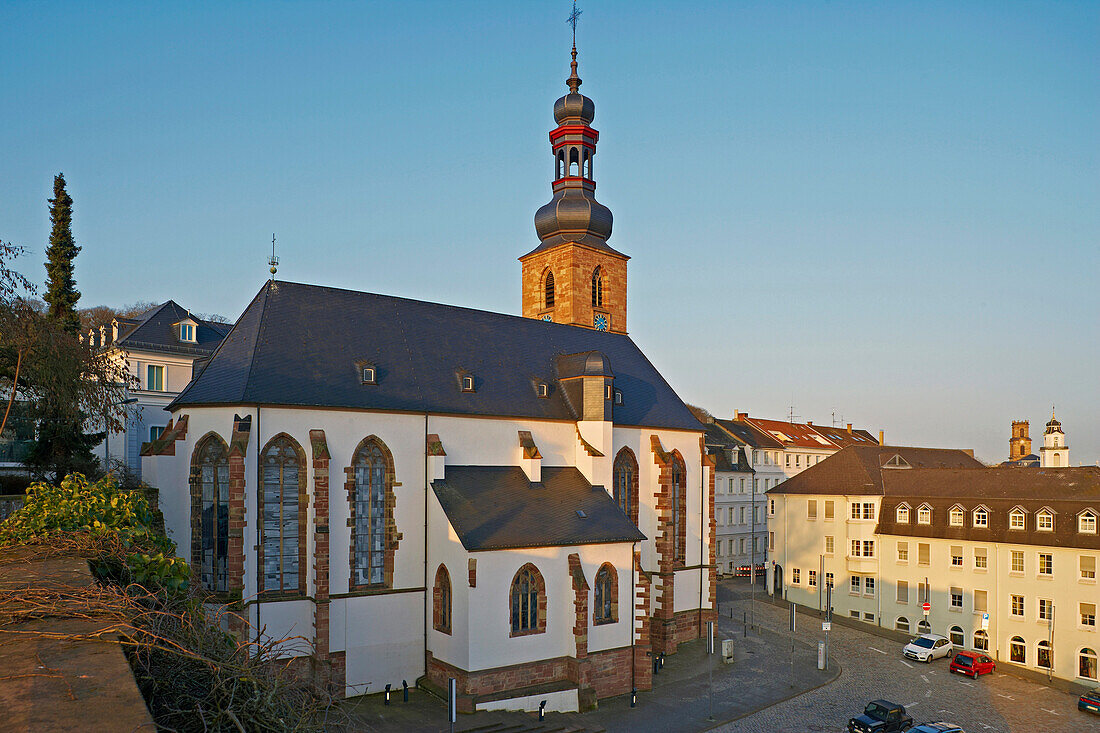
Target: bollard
point(405, 686)
point(542, 708)
point(633, 696)
point(745, 624)
point(821, 655)
point(656, 666)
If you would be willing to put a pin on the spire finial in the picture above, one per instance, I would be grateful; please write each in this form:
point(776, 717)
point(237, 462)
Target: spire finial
point(574, 81)
point(273, 261)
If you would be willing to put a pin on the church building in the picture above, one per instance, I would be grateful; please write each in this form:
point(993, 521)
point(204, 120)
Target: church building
point(425, 492)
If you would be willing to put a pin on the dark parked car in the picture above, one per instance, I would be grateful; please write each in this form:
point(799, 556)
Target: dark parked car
point(937, 728)
point(881, 716)
point(1090, 702)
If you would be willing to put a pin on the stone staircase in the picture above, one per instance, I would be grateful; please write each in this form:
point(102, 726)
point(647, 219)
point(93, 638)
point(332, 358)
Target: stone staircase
point(524, 723)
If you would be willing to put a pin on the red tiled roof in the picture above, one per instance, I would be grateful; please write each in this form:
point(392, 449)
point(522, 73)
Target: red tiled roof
point(799, 435)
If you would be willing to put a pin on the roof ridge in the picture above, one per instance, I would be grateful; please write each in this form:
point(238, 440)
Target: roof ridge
point(266, 292)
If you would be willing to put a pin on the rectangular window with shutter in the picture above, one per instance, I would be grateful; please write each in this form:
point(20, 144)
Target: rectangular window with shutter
point(923, 553)
point(1088, 567)
point(903, 591)
point(956, 556)
point(1088, 615)
point(903, 552)
point(956, 598)
point(980, 601)
point(811, 509)
point(828, 509)
point(981, 561)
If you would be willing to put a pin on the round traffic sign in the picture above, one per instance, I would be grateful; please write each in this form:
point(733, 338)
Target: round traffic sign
point(927, 606)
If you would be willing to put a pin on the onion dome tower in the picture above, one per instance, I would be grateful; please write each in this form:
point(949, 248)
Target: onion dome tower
point(573, 276)
point(1055, 451)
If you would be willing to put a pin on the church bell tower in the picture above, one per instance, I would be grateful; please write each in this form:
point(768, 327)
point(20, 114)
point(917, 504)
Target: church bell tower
point(573, 276)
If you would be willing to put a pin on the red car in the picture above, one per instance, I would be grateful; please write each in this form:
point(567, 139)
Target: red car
point(972, 663)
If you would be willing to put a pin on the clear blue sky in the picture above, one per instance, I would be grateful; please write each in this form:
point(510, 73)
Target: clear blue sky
point(886, 210)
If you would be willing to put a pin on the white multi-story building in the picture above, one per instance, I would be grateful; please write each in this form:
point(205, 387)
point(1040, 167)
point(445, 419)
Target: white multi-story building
point(1005, 558)
point(739, 511)
point(159, 348)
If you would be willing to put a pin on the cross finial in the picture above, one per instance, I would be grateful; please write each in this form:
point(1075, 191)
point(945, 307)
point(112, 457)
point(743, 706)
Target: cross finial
point(572, 20)
point(273, 261)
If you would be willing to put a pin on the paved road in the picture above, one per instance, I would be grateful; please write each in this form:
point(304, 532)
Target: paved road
point(874, 668)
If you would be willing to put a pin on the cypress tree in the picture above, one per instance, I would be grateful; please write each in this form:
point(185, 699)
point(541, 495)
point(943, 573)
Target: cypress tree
point(61, 293)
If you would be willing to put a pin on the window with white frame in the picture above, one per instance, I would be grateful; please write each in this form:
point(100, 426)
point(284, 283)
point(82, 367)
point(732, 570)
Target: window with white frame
point(857, 512)
point(1017, 607)
point(813, 579)
point(1017, 561)
point(924, 514)
point(855, 585)
point(923, 554)
point(955, 517)
point(1087, 567)
point(1046, 563)
point(902, 514)
point(829, 583)
point(811, 509)
point(903, 591)
point(903, 552)
point(796, 576)
point(868, 586)
point(956, 556)
point(771, 541)
point(154, 378)
point(981, 599)
point(1088, 614)
point(828, 509)
point(981, 559)
point(981, 517)
point(828, 544)
point(956, 598)
point(1044, 521)
point(1086, 523)
point(771, 506)
point(1046, 609)
point(868, 510)
point(1016, 519)
point(187, 332)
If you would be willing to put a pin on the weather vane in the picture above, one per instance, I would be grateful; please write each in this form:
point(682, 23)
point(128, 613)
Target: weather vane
point(572, 20)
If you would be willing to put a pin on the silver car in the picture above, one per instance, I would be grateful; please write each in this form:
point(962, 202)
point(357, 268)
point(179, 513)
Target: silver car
point(927, 647)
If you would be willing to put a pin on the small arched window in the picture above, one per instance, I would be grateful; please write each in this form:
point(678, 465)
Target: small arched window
point(1057, 460)
point(981, 640)
point(625, 483)
point(923, 627)
point(902, 624)
point(283, 515)
point(528, 602)
point(679, 510)
point(597, 288)
point(371, 495)
point(1017, 650)
point(560, 165)
point(606, 594)
point(585, 171)
point(1086, 664)
point(210, 471)
point(548, 290)
point(574, 162)
point(957, 637)
point(1043, 659)
point(441, 600)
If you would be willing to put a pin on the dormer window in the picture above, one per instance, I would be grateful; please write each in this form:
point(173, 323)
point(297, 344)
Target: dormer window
point(1044, 521)
point(619, 400)
point(369, 374)
point(187, 332)
point(981, 517)
point(902, 514)
point(467, 383)
point(544, 389)
point(1016, 519)
point(955, 518)
point(1086, 522)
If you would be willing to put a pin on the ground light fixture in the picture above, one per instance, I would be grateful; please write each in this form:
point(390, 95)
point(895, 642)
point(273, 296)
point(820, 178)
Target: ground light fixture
point(542, 710)
point(387, 701)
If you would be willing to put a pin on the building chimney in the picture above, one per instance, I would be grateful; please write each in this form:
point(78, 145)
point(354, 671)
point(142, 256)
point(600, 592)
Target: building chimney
point(810, 423)
point(738, 416)
point(849, 428)
point(882, 437)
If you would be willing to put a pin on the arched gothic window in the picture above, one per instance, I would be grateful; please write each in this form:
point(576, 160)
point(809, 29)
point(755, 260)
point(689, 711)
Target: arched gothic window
point(210, 472)
point(370, 492)
point(625, 483)
point(548, 287)
point(528, 602)
point(441, 600)
point(606, 595)
point(282, 517)
point(679, 510)
point(597, 288)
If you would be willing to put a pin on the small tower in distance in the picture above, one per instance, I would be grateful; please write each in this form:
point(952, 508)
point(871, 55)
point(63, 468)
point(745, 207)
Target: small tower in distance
point(1019, 445)
point(573, 276)
point(1055, 452)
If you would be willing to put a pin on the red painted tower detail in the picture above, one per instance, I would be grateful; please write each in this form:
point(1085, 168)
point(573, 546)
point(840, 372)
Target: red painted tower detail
point(573, 276)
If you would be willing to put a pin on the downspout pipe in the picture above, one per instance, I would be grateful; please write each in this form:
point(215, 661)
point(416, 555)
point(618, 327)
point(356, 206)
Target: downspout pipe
point(702, 513)
point(427, 594)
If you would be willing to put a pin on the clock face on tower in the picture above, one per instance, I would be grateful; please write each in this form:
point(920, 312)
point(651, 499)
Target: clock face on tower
point(548, 317)
point(600, 322)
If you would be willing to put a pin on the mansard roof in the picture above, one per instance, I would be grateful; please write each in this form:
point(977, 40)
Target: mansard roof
point(498, 508)
point(154, 330)
point(299, 345)
point(861, 469)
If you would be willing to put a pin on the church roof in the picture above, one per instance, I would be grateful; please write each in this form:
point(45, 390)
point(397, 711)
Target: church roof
point(497, 508)
point(154, 330)
point(305, 345)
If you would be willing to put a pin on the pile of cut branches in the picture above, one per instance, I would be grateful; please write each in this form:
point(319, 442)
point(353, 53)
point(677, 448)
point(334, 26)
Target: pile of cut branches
point(194, 675)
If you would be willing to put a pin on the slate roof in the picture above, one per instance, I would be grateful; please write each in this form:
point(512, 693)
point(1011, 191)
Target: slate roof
point(303, 345)
point(153, 331)
point(842, 438)
point(748, 434)
point(859, 470)
point(1065, 491)
point(497, 508)
point(722, 445)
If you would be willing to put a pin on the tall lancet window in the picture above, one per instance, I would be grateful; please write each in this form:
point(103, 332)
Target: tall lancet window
point(212, 462)
point(281, 514)
point(597, 289)
point(549, 289)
